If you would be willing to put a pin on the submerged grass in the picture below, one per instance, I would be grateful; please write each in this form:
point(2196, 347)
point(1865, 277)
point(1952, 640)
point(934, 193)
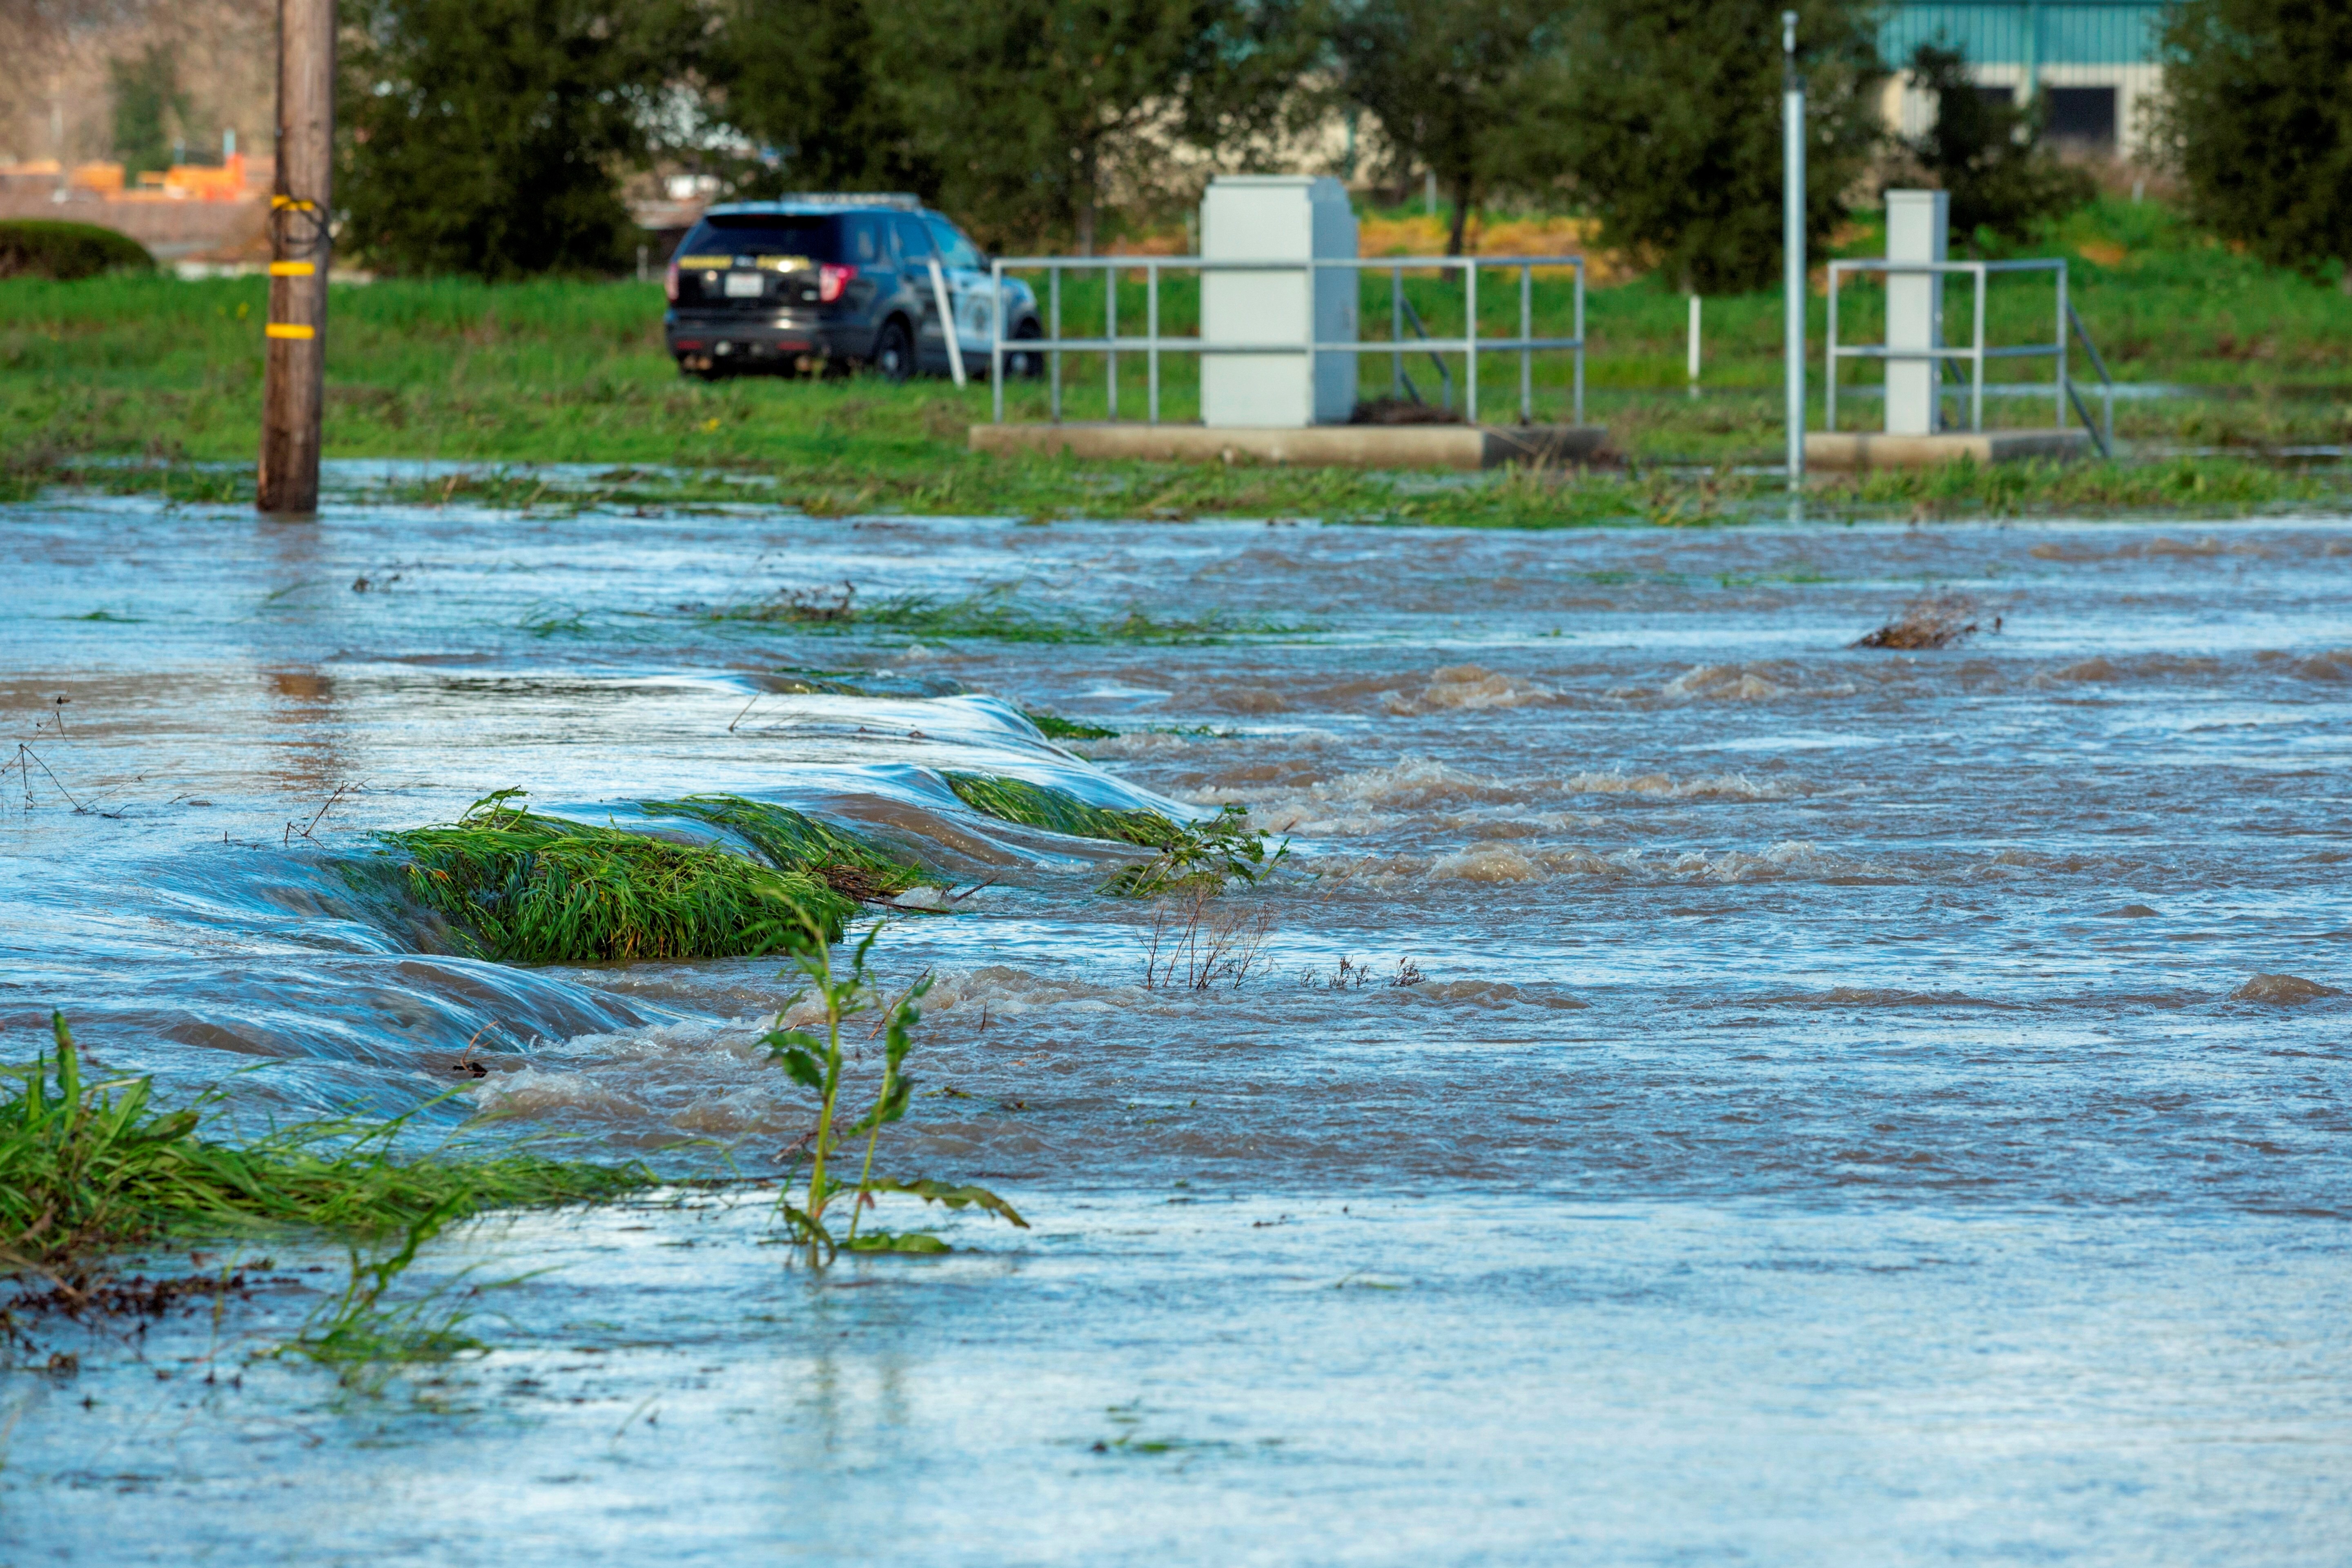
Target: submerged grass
point(1201, 857)
point(1055, 727)
point(92, 1167)
point(795, 842)
point(1059, 811)
point(535, 889)
point(995, 614)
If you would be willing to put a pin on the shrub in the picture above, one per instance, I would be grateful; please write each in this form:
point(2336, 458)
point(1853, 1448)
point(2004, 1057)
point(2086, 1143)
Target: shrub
point(2256, 121)
point(1988, 155)
point(42, 248)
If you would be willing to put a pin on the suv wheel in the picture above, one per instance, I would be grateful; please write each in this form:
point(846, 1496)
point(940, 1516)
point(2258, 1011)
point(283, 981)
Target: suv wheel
point(1031, 364)
point(894, 350)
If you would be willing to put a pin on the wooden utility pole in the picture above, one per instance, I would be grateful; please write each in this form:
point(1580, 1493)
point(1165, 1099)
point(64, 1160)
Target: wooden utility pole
point(293, 387)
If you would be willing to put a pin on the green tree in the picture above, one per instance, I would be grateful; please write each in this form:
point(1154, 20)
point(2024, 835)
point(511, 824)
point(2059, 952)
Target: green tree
point(148, 107)
point(1461, 88)
point(488, 136)
point(1675, 140)
point(1036, 112)
point(1988, 154)
point(819, 88)
point(2256, 119)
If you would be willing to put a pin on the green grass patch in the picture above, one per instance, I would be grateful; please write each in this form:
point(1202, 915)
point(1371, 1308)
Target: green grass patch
point(1197, 855)
point(793, 841)
point(535, 889)
point(1059, 811)
point(993, 615)
point(90, 1166)
point(1054, 727)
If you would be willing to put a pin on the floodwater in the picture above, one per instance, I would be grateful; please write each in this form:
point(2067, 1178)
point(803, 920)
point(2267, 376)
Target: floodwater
point(1833, 1121)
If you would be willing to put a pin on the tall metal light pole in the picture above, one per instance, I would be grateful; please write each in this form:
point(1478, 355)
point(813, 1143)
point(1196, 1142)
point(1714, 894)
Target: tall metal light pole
point(1792, 241)
point(293, 385)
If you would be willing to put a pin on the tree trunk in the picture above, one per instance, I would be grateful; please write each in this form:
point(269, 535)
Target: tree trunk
point(1460, 216)
point(1087, 166)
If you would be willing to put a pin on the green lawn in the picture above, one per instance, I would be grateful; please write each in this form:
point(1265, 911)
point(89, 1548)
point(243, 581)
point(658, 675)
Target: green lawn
point(574, 371)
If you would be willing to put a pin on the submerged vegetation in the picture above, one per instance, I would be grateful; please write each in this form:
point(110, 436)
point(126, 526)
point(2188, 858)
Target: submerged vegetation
point(1203, 855)
point(817, 1062)
point(535, 890)
point(91, 1166)
point(793, 841)
point(1055, 727)
point(1059, 811)
point(993, 615)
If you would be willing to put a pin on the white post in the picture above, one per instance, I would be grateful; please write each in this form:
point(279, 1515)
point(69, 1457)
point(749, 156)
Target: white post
point(1792, 242)
point(1694, 346)
point(947, 318)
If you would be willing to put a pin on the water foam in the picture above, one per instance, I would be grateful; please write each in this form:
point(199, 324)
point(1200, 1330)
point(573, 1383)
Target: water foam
point(1457, 687)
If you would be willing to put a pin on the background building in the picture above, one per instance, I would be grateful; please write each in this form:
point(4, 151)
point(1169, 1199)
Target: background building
point(2093, 60)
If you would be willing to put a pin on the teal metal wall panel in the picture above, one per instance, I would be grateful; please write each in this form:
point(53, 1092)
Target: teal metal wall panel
point(1997, 32)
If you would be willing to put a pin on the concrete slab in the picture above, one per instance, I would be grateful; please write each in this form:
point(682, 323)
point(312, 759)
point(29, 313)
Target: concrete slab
point(1870, 449)
point(1318, 446)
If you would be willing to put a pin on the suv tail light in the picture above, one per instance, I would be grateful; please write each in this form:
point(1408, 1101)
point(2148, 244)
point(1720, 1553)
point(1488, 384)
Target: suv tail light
point(833, 282)
point(669, 281)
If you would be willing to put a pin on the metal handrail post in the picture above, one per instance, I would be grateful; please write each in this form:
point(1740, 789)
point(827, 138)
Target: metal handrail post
point(1396, 331)
point(1976, 385)
point(996, 345)
point(1579, 340)
point(1829, 380)
point(1151, 334)
point(1053, 352)
point(1110, 331)
point(1470, 335)
point(1527, 354)
point(2061, 411)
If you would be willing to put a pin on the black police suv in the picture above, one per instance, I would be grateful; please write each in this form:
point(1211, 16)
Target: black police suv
point(820, 283)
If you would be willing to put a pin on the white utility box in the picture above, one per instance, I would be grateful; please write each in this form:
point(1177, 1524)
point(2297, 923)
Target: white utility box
point(1278, 217)
point(1918, 228)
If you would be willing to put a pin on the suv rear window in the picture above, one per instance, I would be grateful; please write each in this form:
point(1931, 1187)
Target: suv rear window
point(824, 236)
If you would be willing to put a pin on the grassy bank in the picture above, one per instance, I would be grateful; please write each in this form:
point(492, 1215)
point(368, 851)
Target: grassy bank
point(573, 372)
point(90, 1166)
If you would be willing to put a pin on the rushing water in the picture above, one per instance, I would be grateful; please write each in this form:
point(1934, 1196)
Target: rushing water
point(1823, 1129)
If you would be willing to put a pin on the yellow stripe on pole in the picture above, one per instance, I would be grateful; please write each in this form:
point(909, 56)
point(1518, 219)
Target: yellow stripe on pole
point(282, 204)
point(293, 269)
point(288, 329)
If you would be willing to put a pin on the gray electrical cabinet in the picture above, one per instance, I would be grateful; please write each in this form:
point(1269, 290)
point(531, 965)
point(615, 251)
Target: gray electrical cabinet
point(1278, 217)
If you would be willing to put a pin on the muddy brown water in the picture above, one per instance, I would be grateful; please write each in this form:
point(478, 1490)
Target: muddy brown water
point(1833, 1121)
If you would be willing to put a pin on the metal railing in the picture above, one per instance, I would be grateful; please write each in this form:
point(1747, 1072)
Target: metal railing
point(1976, 353)
point(1152, 345)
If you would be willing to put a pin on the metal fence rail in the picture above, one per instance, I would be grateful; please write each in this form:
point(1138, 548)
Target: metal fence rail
point(1151, 344)
point(1977, 352)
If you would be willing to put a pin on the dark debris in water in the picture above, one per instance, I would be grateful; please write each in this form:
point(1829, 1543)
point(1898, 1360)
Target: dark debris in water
point(2284, 990)
point(1930, 621)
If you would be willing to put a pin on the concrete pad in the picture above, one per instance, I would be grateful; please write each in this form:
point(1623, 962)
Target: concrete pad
point(1318, 446)
point(1867, 449)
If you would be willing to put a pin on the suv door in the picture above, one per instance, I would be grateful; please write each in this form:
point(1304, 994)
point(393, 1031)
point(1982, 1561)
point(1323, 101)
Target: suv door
point(970, 288)
point(910, 243)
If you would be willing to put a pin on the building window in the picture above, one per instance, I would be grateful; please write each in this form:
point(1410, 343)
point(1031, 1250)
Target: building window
point(2083, 118)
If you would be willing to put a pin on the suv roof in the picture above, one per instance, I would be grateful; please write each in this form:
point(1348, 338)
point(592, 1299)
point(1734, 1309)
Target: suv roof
point(824, 201)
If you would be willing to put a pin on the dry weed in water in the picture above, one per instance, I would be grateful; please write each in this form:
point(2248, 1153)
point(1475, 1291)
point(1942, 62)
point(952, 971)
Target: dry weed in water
point(1196, 941)
point(1929, 621)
